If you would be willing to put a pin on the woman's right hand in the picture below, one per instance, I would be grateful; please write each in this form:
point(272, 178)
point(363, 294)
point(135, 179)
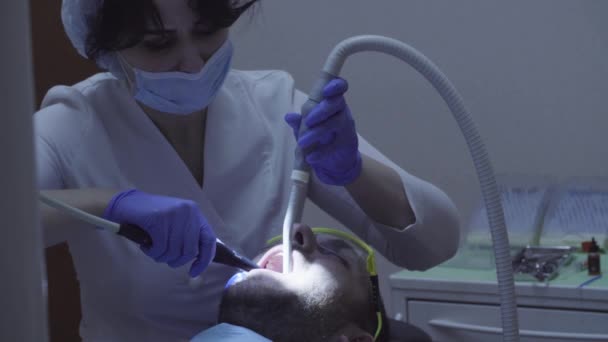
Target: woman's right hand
point(179, 231)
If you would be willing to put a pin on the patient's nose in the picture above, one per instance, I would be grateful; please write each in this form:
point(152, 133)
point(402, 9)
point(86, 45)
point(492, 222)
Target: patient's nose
point(303, 238)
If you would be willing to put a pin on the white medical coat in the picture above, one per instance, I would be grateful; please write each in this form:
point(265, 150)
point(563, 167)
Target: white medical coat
point(93, 134)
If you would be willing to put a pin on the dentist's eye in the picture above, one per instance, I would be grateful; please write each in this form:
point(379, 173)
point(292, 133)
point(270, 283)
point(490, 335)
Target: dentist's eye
point(203, 33)
point(158, 44)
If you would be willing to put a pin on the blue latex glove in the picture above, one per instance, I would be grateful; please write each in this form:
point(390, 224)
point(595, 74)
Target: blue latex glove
point(332, 136)
point(179, 231)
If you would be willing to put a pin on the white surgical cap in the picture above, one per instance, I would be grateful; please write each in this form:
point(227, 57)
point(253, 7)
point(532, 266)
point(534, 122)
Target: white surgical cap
point(75, 15)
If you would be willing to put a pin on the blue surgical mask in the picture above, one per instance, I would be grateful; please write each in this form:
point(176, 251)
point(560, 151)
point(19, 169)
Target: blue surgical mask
point(183, 93)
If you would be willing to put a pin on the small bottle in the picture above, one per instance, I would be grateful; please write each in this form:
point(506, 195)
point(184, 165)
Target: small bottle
point(593, 259)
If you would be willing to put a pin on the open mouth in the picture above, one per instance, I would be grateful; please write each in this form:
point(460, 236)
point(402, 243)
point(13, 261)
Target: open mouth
point(272, 260)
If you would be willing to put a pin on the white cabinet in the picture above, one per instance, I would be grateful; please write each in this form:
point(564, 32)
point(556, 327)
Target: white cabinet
point(476, 322)
point(454, 305)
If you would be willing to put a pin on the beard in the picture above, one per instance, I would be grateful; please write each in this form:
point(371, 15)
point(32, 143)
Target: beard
point(280, 314)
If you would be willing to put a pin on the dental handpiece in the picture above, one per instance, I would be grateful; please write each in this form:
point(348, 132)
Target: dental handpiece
point(229, 257)
point(223, 254)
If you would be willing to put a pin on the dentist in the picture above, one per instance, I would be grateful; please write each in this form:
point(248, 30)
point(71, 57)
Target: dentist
point(174, 140)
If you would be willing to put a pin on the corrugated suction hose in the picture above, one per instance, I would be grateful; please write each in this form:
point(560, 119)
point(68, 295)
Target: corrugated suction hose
point(483, 167)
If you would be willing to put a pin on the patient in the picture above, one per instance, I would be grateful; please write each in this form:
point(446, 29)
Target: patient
point(327, 296)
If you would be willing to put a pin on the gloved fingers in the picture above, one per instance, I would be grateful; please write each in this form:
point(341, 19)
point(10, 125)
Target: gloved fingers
point(323, 134)
point(318, 137)
point(206, 252)
point(337, 86)
point(189, 249)
point(328, 108)
point(294, 120)
point(328, 138)
point(160, 242)
point(178, 218)
point(340, 158)
point(319, 155)
point(174, 245)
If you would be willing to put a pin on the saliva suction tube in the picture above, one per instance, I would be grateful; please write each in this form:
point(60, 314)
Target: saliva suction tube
point(301, 172)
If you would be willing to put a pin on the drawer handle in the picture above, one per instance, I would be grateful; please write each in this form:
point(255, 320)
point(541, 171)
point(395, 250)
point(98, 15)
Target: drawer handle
point(444, 323)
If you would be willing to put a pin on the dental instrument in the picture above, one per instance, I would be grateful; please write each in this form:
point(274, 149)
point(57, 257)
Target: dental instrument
point(301, 172)
point(223, 254)
point(587, 282)
point(229, 257)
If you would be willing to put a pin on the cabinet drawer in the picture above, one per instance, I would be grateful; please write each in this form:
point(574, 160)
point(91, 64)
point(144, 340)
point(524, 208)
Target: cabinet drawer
point(477, 322)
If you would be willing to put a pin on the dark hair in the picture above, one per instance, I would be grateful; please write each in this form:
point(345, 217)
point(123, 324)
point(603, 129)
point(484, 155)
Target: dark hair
point(120, 24)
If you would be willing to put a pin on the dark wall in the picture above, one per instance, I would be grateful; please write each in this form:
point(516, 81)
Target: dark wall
point(57, 62)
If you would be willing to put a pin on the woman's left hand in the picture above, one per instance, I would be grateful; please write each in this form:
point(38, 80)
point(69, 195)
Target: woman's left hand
point(331, 136)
